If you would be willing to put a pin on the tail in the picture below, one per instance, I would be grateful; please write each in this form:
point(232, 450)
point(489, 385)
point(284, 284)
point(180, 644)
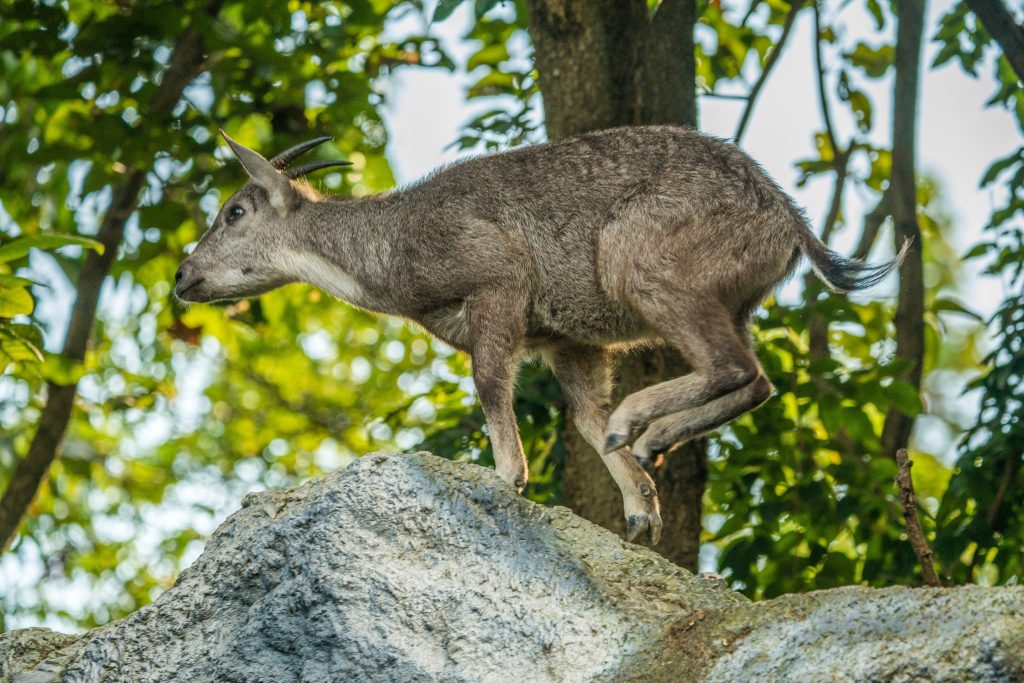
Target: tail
point(843, 274)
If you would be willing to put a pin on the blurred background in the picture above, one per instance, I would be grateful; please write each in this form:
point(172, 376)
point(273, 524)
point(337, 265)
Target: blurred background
point(132, 425)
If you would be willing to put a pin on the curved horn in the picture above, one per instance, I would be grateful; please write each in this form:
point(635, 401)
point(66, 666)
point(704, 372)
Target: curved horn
point(279, 190)
point(286, 157)
point(306, 169)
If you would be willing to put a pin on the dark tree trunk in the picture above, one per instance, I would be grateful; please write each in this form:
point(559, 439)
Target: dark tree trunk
point(903, 192)
point(1000, 24)
point(602, 64)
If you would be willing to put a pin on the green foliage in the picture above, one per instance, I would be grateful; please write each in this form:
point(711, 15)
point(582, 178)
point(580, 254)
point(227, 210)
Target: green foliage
point(19, 247)
point(507, 84)
point(981, 519)
point(22, 342)
point(445, 8)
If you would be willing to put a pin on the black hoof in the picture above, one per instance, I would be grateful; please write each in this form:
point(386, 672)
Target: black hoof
point(654, 533)
point(636, 525)
point(642, 456)
point(614, 442)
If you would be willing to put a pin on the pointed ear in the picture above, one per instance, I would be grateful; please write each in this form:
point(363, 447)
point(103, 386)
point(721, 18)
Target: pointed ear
point(283, 196)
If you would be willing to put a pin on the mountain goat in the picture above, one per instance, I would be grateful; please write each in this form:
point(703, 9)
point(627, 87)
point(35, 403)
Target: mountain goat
point(569, 249)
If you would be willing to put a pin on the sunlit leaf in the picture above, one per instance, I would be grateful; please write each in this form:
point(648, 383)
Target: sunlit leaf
point(15, 301)
point(20, 246)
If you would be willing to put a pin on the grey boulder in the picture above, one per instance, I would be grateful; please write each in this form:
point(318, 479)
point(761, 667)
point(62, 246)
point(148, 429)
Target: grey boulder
point(414, 568)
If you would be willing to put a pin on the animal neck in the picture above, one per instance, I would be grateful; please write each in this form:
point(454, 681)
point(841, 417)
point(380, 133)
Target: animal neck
point(345, 248)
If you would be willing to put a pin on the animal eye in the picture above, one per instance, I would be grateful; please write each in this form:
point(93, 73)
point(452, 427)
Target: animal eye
point(234, 213)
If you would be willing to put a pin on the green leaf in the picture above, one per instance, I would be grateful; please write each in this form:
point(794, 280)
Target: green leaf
point(21, 245)
point(875, 61)
point(1001, 165)
point(444, 9)
point(954, 306)
point(15, 301)
point(948, 51)
point(482, 7)
point(61, 369)
point(904, 397)
point(14, 281)
point(876, 12)
point(21, 343)
point(862, 108)
point(977, 250)
point(491, 55)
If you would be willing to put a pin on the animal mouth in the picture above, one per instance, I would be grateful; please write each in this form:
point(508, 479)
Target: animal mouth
point(181, 294)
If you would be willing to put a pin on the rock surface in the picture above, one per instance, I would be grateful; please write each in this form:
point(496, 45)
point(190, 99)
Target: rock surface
point(414, 568)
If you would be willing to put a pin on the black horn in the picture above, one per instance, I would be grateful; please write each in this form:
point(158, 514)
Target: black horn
point(306, 169)
point(286, 157)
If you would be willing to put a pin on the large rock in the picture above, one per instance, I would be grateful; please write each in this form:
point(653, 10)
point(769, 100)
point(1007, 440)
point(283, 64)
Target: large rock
point(414, 568)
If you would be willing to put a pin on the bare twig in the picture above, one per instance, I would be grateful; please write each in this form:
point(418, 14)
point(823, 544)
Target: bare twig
point(754, 4)
point(1000, 24)
point(773, 58)
point(917, 539)
point(842, 166)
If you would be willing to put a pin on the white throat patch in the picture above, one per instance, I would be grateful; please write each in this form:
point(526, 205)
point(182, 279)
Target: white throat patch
point(327, 276)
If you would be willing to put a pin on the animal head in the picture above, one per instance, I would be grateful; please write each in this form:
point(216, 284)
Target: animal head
point(241, 253)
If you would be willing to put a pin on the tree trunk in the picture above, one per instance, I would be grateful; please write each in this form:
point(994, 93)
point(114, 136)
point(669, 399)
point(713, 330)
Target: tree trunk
point(602, 64)
point(903, 191)
point(1000, 24)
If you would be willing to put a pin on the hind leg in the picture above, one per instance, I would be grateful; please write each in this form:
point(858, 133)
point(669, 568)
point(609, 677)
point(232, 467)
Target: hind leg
point(703, 330)
point(583, 372)
point(693, 422)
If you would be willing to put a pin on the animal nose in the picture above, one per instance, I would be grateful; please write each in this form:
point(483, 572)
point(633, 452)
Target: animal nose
point(180, 274)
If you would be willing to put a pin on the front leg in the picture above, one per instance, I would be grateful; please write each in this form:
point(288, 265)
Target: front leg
point(584, 373)
point(497, 330)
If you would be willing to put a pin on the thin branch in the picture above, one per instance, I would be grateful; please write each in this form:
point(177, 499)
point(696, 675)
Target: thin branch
point(750, 12)
point(842, 166)
point(872, 224)
point(829, 132)
point(1009, 477)
point(185, 63)
point(999, 23)
point(817, 326)
point(917, 540)
point(720, 96)
point(32, 469)
point(773, 58)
